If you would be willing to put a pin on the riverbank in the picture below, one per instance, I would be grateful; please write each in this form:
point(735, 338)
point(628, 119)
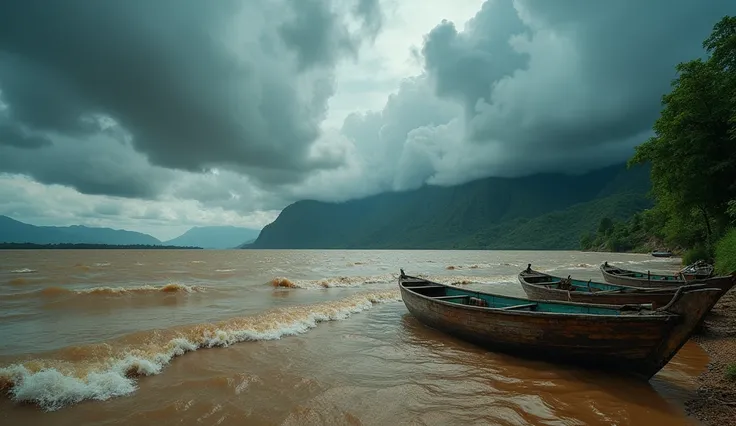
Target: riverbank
point(715, 400)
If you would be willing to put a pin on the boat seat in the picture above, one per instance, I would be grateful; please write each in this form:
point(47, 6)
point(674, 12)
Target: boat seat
point(535, 276)
point(476, 301)
point(463, 296)
point(417, 287)
point(527, 305)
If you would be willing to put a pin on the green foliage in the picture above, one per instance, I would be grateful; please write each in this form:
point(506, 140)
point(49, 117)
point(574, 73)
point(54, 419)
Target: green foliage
point(621, 236)
point(699, 252)
point(558, 230)
point(693, 154)
point(726, 253)
point(606, 226)
point(731, 372)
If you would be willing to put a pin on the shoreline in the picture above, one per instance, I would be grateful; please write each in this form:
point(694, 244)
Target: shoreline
point(714, 401)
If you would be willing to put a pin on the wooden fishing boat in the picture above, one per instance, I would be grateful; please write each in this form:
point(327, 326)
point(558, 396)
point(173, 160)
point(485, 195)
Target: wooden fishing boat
point(615, 275)
point(629, 339)
point(541, 286)
point(662, 253)
point(697, 270)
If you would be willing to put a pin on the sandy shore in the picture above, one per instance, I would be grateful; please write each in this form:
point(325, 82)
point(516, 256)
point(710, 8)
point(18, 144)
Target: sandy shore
point(715, 400)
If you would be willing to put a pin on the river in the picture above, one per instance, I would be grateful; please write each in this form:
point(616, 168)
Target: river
point(279, 337)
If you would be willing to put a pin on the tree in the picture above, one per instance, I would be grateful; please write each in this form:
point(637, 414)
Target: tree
point(606, 226)
point(693, 151)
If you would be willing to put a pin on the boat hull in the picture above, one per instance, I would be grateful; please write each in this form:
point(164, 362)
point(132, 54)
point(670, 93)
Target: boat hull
point(653, 281)
point(636, 342)
point(657, 299)
point(616, 344)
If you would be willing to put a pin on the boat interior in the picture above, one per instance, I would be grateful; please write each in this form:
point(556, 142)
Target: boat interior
point(461, 296)
point(634, 274)
point(570, 284)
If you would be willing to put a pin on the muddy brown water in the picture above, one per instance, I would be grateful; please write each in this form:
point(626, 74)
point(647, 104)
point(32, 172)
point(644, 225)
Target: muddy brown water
point(121, 337)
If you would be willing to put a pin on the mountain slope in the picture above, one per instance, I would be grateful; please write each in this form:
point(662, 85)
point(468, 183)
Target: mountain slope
point(215, 237)
point(494, 212)
point(13, 231)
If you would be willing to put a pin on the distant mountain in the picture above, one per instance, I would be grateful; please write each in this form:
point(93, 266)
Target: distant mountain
point(543, 211)
point(215, 237)
point(13, 231)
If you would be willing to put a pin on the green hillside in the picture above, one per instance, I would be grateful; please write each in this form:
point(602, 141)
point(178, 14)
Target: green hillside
point(13, 231)
point(544, 211)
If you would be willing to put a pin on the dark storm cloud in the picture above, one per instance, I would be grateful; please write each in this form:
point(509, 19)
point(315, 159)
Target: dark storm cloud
point(543, 86)
point(604, 85)
point(463, 65)
point(317, 34)
point(13, 135)
point(195, 83)
point(98, 166)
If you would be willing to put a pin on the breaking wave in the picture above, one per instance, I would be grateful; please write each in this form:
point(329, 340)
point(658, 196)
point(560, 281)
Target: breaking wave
point(23, 271)
point(103, 371)
point(337, 282)
point(111, 291)
point(468, 279)
point(333, 282)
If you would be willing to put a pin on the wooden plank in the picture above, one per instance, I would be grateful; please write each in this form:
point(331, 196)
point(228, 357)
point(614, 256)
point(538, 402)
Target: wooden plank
point(451, 297)
point(417, 287)
point(527, 305)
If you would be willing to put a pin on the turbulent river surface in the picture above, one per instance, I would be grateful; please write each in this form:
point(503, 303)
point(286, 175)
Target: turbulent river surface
point(124, 337)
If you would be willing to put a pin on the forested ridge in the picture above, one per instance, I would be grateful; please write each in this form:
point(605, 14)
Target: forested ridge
point(543, 211)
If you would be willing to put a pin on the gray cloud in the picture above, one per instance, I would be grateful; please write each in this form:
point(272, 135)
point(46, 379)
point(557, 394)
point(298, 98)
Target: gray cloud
point(100, 165)
point(543, 86)
point(196, 84)
point(463, 65)
point(15, 136)
point(232, 93)
point(596, 71)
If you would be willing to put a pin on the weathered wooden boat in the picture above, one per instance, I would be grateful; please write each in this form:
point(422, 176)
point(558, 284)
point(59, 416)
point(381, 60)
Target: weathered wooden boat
point(630, 339)
point(697, 270)
point(540, 286)
point(662, 253)
point(615, 275)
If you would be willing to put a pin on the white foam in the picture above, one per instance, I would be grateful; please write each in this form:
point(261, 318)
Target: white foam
point(142, 289)
point(23, 271)
point(52, 389)
point(340, 282)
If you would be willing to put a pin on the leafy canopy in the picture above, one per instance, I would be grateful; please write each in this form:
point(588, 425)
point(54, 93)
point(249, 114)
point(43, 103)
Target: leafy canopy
point(693, 151)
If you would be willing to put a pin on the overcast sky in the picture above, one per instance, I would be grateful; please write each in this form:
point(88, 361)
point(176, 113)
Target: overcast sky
point(157, 116)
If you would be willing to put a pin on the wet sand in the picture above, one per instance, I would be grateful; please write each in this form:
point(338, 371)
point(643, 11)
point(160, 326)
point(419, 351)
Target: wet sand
point(715, 400)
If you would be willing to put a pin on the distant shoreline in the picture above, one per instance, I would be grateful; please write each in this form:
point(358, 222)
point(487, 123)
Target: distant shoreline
point(88, 246)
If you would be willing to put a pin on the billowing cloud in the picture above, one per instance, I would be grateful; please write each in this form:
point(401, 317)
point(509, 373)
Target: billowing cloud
point(240, 84)
point(220, 108)
point(30, 201)
point(543, 86)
